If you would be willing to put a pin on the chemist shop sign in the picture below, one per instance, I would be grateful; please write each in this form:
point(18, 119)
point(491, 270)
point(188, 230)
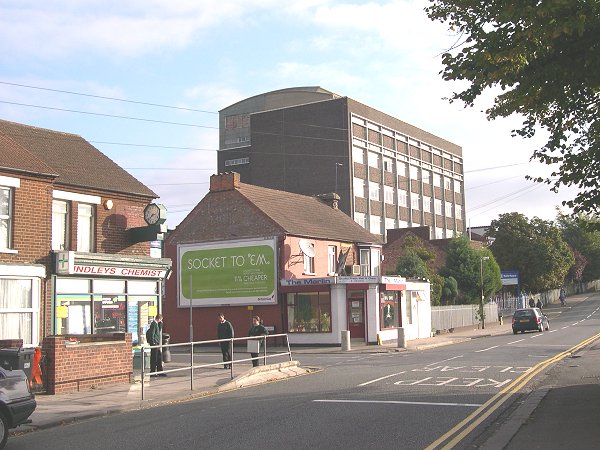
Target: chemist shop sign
point(227, 273)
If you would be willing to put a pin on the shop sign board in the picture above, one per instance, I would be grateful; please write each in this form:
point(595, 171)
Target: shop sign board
point(66, 264)
point(509, 277)
point(241, 272)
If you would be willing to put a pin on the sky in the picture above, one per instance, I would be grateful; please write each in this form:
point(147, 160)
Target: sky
point(143, 81)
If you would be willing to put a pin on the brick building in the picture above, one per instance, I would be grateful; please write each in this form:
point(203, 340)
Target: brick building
point(388, 173)
point(68, 261)
point(300, 263)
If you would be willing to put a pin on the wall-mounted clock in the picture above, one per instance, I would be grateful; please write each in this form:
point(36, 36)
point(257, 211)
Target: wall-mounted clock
point(155, 214)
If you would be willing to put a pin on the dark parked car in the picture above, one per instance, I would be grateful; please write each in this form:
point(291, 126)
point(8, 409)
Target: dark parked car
point(17, 402)
point(529, 319)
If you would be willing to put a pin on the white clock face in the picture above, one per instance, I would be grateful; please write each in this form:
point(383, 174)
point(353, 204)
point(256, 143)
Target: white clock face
point(151, 214)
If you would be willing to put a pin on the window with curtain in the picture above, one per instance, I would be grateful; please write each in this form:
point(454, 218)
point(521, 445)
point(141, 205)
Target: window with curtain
point(16, 309)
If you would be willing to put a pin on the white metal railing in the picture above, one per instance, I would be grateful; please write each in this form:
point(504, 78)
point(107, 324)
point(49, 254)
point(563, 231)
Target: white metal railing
point(264, 355)
point(455, 316)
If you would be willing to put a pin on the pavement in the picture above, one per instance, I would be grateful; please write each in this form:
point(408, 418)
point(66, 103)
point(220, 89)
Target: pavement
point(543, 414)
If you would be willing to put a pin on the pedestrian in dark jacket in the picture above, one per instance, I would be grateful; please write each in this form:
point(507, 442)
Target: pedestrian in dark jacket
point(153, 337)
point(225, 331)
point(257, 329)
point(539, 304)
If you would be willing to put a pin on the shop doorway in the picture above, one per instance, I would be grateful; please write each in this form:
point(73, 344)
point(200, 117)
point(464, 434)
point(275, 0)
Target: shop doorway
point(356, 317)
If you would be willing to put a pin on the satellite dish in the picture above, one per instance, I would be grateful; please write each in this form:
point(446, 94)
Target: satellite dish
point(307, 248)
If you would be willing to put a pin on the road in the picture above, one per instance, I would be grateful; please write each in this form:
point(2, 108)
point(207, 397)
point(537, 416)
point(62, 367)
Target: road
point(375, 400)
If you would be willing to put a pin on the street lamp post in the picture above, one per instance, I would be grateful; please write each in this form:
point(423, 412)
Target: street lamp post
point(481, 314)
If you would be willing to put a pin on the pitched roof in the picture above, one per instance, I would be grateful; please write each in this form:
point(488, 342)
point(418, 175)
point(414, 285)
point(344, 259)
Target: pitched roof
point(301, 215)
point(75, 161)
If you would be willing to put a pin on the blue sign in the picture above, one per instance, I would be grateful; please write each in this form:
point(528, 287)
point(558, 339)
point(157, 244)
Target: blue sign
point(510, 278)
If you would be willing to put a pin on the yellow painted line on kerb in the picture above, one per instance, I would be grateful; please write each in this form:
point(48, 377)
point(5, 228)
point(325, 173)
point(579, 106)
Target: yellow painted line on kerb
point(453, 436)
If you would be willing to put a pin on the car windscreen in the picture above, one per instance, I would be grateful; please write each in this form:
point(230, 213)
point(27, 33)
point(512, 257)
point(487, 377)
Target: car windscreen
point(524, 313)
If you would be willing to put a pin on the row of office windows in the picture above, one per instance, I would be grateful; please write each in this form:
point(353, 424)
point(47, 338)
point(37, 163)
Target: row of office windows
point(61, 220)
point(374, 225)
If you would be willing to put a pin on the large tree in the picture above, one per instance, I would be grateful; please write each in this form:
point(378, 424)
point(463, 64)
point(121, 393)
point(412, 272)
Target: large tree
point(533, 247)
point(585, 240)
point(469, 267)
point(545, 58)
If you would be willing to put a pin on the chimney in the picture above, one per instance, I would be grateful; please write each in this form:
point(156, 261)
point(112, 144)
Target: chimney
point(332, 199)
point(227, 181)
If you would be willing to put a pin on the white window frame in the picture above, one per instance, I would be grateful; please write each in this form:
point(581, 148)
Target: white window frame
point(34, 310)
point(401, 168)
point(388, 164)
point(427, 204)
point(390, 224)
point(359, 187)
point(414, 172)
point(7, 218)
point(425, 175)
point(437, 180)
point(374, 191)
point(402, 197)
point(448, 209)
point(309, 264)
point(60, 224)
point(437, 204)
point(331, 259)
point(414, 201)
point(375, 224)
point(388, 194)
point(458, 211)
point(361, 219)
point(374, 160)
point(86, 219)
point(358, 154)
point(447, 183)
point(457, 186)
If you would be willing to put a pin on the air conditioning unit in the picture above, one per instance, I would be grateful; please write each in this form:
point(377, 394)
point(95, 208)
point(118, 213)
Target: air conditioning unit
point(356, 269)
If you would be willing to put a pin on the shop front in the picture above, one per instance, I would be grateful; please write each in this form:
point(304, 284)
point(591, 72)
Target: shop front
point(317, 310)
point(96, 294)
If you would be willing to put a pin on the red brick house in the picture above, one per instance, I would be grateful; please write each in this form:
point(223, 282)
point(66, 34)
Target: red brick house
point(297, 261)
point(68, 261)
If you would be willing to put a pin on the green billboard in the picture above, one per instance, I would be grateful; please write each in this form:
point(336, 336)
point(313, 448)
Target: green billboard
point(226, 273)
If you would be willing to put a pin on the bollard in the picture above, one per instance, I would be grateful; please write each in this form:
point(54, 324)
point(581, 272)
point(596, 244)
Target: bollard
point(500, 319)
point(345, 340)
point(401, 338)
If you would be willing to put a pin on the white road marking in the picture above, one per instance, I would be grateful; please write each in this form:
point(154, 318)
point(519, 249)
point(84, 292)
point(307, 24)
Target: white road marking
point(553, 331)
point(565, 327)
point(514, 342)
point(382, 378)
point(444, 360)
point(486, 349)
point(400, 402)
point(535, 336)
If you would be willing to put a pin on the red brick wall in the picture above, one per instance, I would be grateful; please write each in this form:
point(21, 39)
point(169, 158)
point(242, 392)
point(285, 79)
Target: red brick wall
point(73, 367)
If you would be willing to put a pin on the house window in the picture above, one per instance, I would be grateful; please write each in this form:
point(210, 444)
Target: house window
point(389, 309)
point(359, 187)
point(6, 217)
point(447, 184)
point(331, 259)
point(18, 309)
point(414, 173)
point(358, 155)
point(309, 264)
point(365, 262)
point(437, 204)
point(60, 225)
point(374, 191)
point(388, 194)
point(437, 180)
point(376, 263)
point(425, 174)
point(401, 168)
point(457, 187)
point(388, 165)
point(402, 198)
point(458, 211)
point(85, 227)
point(309, 312)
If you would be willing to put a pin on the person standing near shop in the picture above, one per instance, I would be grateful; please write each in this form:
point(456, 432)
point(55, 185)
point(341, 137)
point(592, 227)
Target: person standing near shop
point(225, 331)
point(257, 329)
point(153, 337)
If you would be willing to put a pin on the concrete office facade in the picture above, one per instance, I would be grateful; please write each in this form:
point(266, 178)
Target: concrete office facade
point(389, 174)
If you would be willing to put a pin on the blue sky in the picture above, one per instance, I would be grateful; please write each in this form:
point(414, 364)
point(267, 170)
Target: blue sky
point(199, 56)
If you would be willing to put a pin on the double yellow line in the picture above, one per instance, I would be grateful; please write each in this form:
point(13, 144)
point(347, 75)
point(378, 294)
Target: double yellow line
point(453, 436)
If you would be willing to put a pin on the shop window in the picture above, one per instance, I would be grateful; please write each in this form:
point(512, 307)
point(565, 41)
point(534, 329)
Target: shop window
point(18, 310)
point(389, 310)
point(85, 227)
point(6, 217)
point(60, 225)
point(309, 312)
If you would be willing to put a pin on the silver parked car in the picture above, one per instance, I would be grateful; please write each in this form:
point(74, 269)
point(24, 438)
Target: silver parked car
point(17, 402)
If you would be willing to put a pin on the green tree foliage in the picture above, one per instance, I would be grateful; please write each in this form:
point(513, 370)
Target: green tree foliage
point(545, 58)
point(416, 262)
point(450, 290)
point(465, 265)
point(533, 247)
point(585, 239)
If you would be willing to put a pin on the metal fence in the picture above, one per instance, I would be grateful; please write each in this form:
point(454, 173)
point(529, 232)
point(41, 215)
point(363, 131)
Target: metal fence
point(194, 347)
point(455, 316)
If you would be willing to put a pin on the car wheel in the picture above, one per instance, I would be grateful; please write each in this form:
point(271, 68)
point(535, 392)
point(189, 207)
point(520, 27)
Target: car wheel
point(514, 331)
point(3, 429)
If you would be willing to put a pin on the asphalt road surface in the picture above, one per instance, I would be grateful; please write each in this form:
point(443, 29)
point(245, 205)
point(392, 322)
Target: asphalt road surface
point(357, 401)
